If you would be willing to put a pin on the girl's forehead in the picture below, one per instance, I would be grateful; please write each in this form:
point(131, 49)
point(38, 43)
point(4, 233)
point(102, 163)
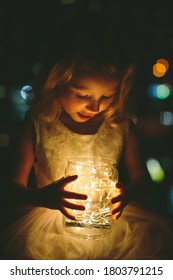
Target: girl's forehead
point(88, 81)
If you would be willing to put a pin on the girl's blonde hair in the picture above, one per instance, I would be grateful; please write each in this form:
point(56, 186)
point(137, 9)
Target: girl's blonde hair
point(84, 48)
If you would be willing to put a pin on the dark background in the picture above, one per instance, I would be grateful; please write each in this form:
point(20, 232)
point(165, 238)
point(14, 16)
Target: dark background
point(28, 27)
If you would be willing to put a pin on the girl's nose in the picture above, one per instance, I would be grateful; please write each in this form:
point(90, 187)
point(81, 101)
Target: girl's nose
point(93, 106)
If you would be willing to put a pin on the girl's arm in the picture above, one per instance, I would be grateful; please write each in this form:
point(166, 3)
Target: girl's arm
point(138, 176)
point(15, 190)
point(24, 154)
point(139, 182)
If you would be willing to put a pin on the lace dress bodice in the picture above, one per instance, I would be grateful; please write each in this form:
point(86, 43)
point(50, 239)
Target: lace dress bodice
point(55, 144)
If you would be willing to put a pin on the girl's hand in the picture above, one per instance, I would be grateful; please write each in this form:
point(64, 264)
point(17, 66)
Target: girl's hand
point(119, 201)
point(55, 196)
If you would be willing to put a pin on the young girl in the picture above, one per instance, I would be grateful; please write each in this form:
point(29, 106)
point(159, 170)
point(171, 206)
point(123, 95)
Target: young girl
point(81, 106)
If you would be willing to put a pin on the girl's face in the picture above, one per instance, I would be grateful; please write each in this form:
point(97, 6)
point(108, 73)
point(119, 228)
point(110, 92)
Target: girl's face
point(88, 96)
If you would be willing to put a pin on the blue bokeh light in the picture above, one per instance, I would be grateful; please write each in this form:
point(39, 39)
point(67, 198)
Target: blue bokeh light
point(160, 91)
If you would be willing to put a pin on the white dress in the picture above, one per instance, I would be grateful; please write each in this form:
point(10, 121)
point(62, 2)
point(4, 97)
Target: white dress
point(38, 233)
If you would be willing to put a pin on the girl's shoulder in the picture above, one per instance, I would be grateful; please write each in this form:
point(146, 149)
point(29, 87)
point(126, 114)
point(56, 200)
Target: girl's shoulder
point(34, 119)
point(30, 116)
point(124, 126)
point(121, 123)
point(28, 127)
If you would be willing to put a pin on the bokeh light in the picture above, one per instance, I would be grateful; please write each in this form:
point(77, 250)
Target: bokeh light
point(155, 170)
point(160, 91)
point(166, 118)
point(159, 70)
point(160, 67)
point(26, 92)
point(163, 62)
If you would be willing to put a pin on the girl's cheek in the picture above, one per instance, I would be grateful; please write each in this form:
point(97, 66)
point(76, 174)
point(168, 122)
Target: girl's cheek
point(106, 104)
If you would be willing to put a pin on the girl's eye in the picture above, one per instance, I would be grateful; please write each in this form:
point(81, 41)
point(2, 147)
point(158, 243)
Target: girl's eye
point(82, 96)
point(108, 97)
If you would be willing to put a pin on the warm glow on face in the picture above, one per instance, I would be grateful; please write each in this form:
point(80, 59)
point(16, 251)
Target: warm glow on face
point(88, 96)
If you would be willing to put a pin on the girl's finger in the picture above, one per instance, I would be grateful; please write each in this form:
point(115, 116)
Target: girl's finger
point(64, 181)
point(117, 215)
point(116, 199)
point(73, 195)
point(116, 210)
point(67, 214)
point(71, 205)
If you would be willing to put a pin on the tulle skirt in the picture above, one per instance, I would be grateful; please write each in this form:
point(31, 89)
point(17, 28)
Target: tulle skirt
point(38, 234)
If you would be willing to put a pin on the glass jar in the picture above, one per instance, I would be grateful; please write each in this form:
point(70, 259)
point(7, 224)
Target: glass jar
point(97, 177)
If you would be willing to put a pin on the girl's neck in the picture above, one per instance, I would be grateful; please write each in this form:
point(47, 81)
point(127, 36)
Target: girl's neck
point(89, 127)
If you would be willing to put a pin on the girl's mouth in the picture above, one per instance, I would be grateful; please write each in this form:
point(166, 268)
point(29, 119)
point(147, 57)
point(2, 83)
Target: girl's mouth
point(85, 117)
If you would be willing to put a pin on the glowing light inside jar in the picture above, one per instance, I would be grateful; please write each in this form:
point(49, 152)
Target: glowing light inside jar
point(98, 183)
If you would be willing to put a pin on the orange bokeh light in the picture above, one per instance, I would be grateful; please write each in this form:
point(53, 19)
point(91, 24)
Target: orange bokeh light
point(160, 67)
